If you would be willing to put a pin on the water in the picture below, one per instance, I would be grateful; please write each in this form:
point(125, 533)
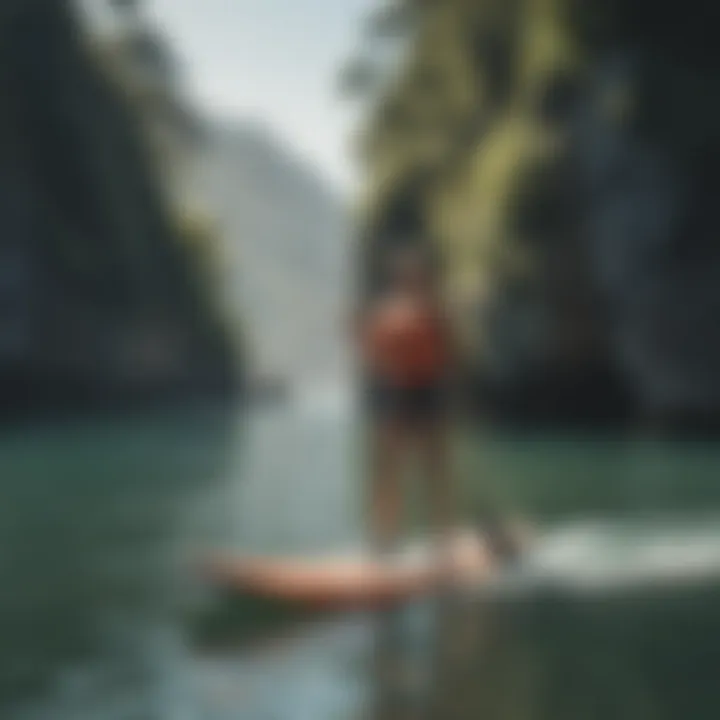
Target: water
point(614, 616)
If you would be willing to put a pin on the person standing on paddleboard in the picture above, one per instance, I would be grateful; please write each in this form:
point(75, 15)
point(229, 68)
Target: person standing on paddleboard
point(407, 350)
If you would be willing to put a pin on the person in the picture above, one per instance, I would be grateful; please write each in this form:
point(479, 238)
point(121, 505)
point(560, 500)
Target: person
point(408, 356)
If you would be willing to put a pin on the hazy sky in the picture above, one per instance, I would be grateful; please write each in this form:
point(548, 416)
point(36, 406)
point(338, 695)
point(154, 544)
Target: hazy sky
point(275, 60)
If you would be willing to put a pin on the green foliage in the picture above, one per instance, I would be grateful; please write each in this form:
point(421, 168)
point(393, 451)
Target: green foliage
point(476, 112)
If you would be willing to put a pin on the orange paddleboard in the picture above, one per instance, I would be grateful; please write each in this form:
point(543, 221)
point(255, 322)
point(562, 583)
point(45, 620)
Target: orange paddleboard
point(353, 581)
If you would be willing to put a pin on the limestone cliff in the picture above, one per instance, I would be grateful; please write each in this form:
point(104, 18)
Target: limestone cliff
point(101, 299)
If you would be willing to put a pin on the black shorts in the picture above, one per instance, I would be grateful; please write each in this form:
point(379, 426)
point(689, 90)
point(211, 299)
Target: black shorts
point(418, 403)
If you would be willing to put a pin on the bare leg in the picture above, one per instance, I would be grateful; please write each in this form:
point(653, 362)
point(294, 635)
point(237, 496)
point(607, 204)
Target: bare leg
point(436, 458)
point(435, 450)
point(389, 442)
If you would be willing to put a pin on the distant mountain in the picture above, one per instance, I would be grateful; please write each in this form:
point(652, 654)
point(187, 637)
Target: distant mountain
point(287, 236)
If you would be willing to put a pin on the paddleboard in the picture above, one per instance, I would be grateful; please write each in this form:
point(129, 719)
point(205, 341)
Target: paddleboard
point(354, 579)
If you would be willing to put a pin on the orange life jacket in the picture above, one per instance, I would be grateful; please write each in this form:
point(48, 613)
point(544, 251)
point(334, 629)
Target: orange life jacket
point(406, 343)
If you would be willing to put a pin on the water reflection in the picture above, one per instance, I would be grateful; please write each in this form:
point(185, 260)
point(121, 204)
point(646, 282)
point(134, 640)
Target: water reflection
point(543, 643)
point(644, 653)
point(97, 522)
point(614, 615)
point(557, 478)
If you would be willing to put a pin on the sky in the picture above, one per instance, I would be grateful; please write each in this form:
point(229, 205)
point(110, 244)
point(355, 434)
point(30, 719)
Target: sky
point(274, 61)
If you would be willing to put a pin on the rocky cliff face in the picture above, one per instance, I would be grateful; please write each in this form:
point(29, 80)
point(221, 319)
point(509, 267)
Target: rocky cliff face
point(99, 296)
point(651, 179)
point(562, 155)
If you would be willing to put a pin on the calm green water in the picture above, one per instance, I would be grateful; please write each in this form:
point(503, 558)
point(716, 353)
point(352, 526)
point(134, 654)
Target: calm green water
point(100, 618)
